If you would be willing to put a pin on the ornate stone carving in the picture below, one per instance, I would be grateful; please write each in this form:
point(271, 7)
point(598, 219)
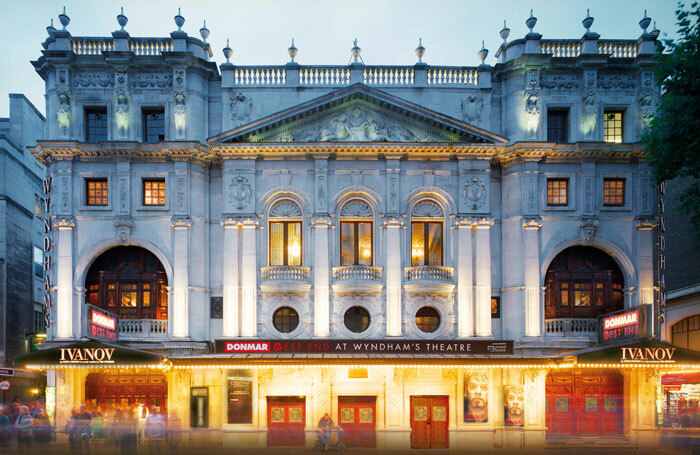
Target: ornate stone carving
point(62, 76)
point(645, 224)
point(123, 225)
point(321, 220)
point(180, 111)
point(356, 208)
point(180, 193)
point(471, 107)
point(393, 194)
point(321, 200)
point(239, 192)
point(63, 112)
point(121, 113)
point(64, 222)
point(87, 80)
point(180, 221)
point(123, 194)
point(151, 81)
point(531, 183)
point(532, 224)
point(589, 114)
point(560, 81)
point(285, 208)
point(474, 193)
point(121, 78)
point(532, 104)
point(241, 107)
point(589, 79)
point(646, 108)
point(179, 76)
point(427, 209)
point(615, 81)
point(285, 178)
point(588, 227)
point(394, 221)
point(647, 79)
point(65, 192)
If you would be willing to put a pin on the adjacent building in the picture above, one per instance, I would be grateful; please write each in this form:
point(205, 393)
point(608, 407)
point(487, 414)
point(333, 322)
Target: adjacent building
point(436, 256)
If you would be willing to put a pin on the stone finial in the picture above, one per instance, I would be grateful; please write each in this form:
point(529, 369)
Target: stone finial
point(50, 29)
point(122, 19)
point(655, 31)
point(531, 21)
point(420, 50)
point(63, 17)
point(292, 51)
point(644, 23)
point(505, 32)
point(204, 32)
point(588, 21)
point(228, 52)
point(355, 52)
point(179, 20)
point(483, 53)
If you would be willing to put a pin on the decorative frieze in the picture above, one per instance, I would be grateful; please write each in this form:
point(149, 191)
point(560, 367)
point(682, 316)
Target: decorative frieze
point(532, 224)
point(471, 108)
point(615, 81)
point(587, 227)
point(96, 80)
point(240, 106)
point(560, 81)
point(178, 222)
point(151, 81)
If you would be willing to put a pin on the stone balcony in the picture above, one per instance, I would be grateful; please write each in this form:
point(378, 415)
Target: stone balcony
point(429, 279)
point(143, 329)
point(572, 328)
point(285, 279)
point(360, 279)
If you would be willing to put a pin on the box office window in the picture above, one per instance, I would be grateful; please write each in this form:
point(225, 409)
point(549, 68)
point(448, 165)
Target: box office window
point(240, 396)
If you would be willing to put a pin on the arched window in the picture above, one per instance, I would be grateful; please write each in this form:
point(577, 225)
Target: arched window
point(686, 333)
point(582, 282)
point(356, 235)
point(130, 282)
point(426, 234)
point(285, 233)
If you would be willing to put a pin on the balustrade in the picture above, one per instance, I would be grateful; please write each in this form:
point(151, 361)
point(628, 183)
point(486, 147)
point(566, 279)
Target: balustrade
point(92, 46)
point(391, 76)
point(561, 48)
point(618, 49)
point(357, 272)
point(324, 75)
point(429, 273)
point(571, 327)
point(143, 328)
point(259, 76)
point(285, 272)
point(453, 76)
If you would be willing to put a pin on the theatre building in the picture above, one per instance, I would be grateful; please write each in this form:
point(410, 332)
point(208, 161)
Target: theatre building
point(438, 257)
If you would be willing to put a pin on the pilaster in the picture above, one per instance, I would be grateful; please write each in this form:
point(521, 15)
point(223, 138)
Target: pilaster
point(249, 274)
point(483, 276)
point(531, 269)
point(321, 273)
point(65, 324)
point(179, 311)
point(465, 289)
point(230, 279)
point(393, 276)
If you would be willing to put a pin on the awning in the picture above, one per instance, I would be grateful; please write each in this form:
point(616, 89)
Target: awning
point(88, 354)
point(637, 353)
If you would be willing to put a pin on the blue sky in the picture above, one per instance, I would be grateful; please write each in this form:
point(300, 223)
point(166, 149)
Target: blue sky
point(260, 31)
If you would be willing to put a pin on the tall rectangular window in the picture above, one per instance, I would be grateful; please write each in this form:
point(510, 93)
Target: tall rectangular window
point(614, 192)
point(153, 125)
point(154, 192)
point(285, 243)
point(426, 243)
point(96, 124)
point(557, 125)
point(612, 126)
point(97, 192)
point(557, 192)
point(355, 243)
point(38, 262)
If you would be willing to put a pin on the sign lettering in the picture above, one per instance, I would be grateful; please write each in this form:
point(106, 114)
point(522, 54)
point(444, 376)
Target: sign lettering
point(642, 354)
point(102, 324)
point(661, 267)
point(47, 251)
point(86, 355)
point(622, 325)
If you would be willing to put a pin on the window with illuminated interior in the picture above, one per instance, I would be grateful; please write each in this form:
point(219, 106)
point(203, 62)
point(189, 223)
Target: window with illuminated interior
point(426, 234)
point(285, 233)
point(356, 236)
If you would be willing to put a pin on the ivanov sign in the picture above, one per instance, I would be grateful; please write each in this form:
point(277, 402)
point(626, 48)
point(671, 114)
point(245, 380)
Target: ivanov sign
point(86, 355)
point(647, 355)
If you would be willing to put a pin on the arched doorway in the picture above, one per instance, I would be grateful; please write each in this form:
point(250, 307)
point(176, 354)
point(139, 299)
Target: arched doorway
point(582, 282)
point(129, 281)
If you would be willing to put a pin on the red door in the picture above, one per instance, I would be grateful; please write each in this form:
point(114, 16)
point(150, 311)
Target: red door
point(356, 415)
point(584, 403)
point(429, 416)
point(285, 421)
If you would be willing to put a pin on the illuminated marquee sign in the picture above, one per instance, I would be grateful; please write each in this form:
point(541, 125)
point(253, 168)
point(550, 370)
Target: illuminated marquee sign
point(102, 325)
point(643, 354)
point(47, 252)
point(447, 348)
point(621, 326)
point(86, 355)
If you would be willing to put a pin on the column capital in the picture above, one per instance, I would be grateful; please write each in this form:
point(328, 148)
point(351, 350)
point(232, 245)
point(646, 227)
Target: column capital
point(532, 224)
point(64, 222)
point(393, 221)
point(646, 224)
point(249, 223)
point(180, 222)
point(464, 222)
point(321, 221)
point(483, 222)
point(229, 221)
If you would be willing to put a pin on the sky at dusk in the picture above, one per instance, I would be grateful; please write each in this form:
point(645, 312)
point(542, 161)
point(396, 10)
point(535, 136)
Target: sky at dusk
point(261, 31)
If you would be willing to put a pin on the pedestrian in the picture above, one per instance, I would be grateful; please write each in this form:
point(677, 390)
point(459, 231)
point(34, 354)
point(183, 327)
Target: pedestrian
point(5, 428)
point(84, 433)
point(23, 426)
point(42, 429)
point(98, 425)
point(154, 431)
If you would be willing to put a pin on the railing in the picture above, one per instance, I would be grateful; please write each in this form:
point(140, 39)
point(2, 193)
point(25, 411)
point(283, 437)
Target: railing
point(143, 328)
point(150, 46)
point(561, 48)
point(324, 75)
point(571, 327)
point(618, 49)
point(357, 272)
point(260, 76)
point(388, 75)
point(429, 273)
point(285, 272)
point(452, 76)
point(92, 46)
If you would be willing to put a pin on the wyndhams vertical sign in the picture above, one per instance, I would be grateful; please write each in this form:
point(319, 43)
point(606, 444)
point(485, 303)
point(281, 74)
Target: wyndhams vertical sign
point(48, 246)
point(662, 254)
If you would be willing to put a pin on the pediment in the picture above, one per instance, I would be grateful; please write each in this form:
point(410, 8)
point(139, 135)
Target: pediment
point(357, 114)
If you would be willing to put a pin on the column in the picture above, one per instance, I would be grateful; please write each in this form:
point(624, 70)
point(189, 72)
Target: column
point(531, 266)
point(230, 281)
point(645, 246)
point(465, 284)
point(322, 308)
point(64, 279)
point(393, 276)
point(483, 277)
point(249, 275)
point(180, 308)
